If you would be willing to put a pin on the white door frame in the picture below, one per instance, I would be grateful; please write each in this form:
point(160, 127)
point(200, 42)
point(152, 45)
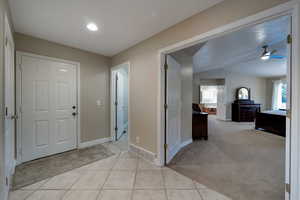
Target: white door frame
point(112, 105)
point(290, 8)
point(9, 147)
point(19, 55)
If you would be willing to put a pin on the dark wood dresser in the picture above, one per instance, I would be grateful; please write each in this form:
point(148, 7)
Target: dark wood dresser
point(244, 110)
point(200, 125)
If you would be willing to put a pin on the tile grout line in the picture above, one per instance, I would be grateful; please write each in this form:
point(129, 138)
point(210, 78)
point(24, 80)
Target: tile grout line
point(37, 189)
point(133, 189)
point(70, 188)
point(199, 193)
point(109, 173)
point(135, 175)
point(164, 183)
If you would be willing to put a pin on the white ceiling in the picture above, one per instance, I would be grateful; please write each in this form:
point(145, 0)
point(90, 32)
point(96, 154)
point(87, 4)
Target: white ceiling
point(122, 23)
point(240, 51)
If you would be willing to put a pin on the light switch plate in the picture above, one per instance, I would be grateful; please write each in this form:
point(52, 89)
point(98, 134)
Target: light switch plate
point(99, 103)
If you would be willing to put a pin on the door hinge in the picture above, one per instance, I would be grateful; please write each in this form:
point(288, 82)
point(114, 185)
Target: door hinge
point(289, 113)
point(166, 146)
point(116, 129)
point(288, 187)
point(166, 66)
point(116, 103)
point(6, 111)
point(289, 39)
point(166, 106)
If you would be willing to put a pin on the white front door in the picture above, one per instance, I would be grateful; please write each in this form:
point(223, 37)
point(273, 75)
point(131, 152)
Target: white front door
point(174, 107)
point(49, 107)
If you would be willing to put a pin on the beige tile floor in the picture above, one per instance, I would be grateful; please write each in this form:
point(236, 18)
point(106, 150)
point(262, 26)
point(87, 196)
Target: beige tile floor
point(123, 176)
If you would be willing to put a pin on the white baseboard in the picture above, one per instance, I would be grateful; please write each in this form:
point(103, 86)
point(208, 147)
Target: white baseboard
point(177, 148)
point(6, 189)
point(172, 152)
point(185, 143)
point(143, 153)
point(224, 120)
point(94, 142)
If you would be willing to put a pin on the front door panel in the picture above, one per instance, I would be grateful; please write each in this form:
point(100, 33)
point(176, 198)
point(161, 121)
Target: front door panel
point(48, 95)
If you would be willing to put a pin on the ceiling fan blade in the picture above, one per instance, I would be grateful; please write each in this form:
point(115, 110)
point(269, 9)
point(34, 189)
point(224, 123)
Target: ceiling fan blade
point(274, 51)
point(277, 57)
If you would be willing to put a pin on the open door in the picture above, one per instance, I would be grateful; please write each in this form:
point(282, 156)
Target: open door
point(119, 100)
point(173, 111)
point(9, 102)
point(288, 118)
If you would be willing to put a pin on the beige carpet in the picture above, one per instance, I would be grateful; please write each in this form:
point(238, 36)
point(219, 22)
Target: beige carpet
point(237, 161)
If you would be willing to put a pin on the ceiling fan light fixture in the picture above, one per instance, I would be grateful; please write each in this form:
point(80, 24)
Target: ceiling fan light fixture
point(92, 27)
point(266, 54)
point(265, 57)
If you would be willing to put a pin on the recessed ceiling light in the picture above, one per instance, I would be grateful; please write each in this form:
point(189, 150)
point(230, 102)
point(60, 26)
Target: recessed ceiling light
point(92, 27)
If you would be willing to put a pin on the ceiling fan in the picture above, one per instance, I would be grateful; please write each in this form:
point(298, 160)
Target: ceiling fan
point(266, 55)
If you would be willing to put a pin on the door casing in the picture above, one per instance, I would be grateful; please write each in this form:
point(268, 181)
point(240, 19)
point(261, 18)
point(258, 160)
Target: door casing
point(291, 9)
point(19, 55)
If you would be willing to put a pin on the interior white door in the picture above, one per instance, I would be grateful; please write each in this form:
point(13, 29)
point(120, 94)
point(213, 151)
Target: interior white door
point(49, 107)
point(288, 121)
point(174, 107)
point(120, 105)
point(9, 103)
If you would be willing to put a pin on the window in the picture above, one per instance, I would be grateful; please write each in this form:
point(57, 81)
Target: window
point(279, 95)
point(283, 96)
point(209, 94)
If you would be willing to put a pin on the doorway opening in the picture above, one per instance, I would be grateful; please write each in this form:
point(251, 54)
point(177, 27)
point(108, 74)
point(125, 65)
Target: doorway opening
point(270, 46)
point(120, 105)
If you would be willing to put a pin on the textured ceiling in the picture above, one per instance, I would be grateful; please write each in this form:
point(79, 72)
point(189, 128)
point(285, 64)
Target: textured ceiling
point(240, 51)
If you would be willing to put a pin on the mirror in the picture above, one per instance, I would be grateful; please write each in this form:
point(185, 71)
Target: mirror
point(243, 93)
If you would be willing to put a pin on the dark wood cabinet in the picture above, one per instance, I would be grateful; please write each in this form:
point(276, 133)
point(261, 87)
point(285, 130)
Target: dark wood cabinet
point(200, 125)
point(244, 111)
point(271, 122)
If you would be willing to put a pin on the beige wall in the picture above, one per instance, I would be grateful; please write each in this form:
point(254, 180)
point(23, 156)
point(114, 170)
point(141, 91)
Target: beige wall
point(233, 81)
point(94, 82)
point(256, 85)
point(144, 61)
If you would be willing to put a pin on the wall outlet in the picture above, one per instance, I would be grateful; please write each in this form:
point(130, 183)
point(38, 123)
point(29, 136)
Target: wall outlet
point(137, 140)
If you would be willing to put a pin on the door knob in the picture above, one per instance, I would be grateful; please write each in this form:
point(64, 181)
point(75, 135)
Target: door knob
point(74, 107)
point(74, 113)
